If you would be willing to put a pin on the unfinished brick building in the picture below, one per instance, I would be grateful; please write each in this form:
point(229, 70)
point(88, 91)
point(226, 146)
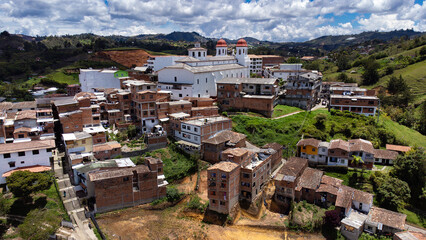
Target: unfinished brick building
point(125, 187)
point(248, 94)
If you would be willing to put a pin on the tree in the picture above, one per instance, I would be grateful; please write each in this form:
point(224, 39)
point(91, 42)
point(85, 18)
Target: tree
point(293, 60)
point(39, 224)
point(172, 194)
point(342, 62)
point(411, 168)
point(397, 85)
point(356, 160)
point(23, 183)
point(320, 120)
point(131, 131)
point(332, 218)
point(343, 77)
point(393, 193)
point(370, 75)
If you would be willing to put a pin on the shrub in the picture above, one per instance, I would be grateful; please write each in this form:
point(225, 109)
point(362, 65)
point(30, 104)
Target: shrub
point(172, 194)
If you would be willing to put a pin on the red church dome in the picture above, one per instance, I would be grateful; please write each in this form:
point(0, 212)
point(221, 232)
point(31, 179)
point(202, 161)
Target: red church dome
point(241, 43)
point(221, 43)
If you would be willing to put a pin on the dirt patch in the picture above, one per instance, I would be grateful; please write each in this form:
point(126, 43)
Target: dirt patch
point(126, 58)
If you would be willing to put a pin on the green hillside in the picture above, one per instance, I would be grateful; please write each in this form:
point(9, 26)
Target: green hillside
point(414, 75)
point(287, 131)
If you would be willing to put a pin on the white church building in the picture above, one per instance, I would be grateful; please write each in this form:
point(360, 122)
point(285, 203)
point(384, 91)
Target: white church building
point(197, 74)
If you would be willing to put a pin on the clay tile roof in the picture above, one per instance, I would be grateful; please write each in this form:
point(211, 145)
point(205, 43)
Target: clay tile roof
point(292, 168)
point(309, 142)
point(275, 146)
point(35, 168)
point(106, 146)
point(147, 91)
point(84, 95)
point(26, 146)
point(397, 148)
point(340, 144)
point(344, 197)
point(221, 43)
point(387, 217)
point(331, 181)
point(310, 179)
point(363, 197)
point(410, 235)
point(235, 151)
point(28, 114)
point(241, 43)
point(24, 105)
point(361, 145)
point(385, 154)
point(225, 136)
point(5, 106)
point(224, 166)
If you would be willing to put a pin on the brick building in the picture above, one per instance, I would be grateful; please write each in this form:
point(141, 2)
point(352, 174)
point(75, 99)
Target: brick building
point(287, 178)
point(303, 90)
point(106, 150)
point(366, 105)
point(223, 186)
point(194, 131)
point(215, 145)
point(73, 89)
point(125, 187)
point(248, 94)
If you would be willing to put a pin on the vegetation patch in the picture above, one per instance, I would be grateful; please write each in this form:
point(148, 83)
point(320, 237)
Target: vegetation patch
point(281, 110)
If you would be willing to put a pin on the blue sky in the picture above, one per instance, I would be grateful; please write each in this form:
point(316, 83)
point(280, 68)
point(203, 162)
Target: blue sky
point(273, 20)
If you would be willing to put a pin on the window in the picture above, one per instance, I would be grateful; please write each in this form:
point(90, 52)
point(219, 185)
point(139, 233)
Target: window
point(223, 185)
point(223, 175)
point(307, 190)
point(21, 154)
point(11, 164)
point(180, 95)
point(254, 184)
point(22, 162)
point(246, 175)
point(206, 80)
point(175, 79)
point(213, 193)
point(222, 203)
point(254, 175)
point(288, 190)
point(125, 179)
point(49, 150)
point(213, 174)
point(35, 152)
point(189, 128)
point(20, 135)
point(83, 141)
point(213, 201)
point(6, 155)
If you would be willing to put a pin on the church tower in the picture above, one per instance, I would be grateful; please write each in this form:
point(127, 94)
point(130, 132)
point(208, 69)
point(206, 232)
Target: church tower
point(221, 48)
point(242, 53)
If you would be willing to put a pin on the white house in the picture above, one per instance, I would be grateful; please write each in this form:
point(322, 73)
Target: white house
point(197, 74)
point(25, 156)
point(288, 69)
point(98, 78)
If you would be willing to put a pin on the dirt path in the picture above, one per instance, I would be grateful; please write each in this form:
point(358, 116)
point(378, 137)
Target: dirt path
point(287, 115)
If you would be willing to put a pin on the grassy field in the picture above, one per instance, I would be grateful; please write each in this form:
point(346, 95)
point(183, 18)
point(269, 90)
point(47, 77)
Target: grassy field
point(414, 75)
point(414, 218)
point(280, 110)
point(408, 135)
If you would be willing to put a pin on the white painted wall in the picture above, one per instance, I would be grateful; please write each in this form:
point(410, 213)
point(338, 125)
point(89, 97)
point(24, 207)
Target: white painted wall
point(43, 158)
point(95, 78)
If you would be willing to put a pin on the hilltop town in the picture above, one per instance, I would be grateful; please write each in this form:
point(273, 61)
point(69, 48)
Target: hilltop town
point(202, 144)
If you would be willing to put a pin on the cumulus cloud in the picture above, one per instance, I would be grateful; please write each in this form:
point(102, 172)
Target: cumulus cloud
point(274, 20)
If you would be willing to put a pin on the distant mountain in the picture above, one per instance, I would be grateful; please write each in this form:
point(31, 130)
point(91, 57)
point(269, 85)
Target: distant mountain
point(334, 42)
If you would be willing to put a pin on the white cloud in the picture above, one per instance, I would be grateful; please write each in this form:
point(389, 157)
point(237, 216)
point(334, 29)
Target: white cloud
point(275, 20)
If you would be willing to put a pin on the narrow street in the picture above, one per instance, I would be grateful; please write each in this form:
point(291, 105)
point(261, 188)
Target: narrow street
point(72, 205)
